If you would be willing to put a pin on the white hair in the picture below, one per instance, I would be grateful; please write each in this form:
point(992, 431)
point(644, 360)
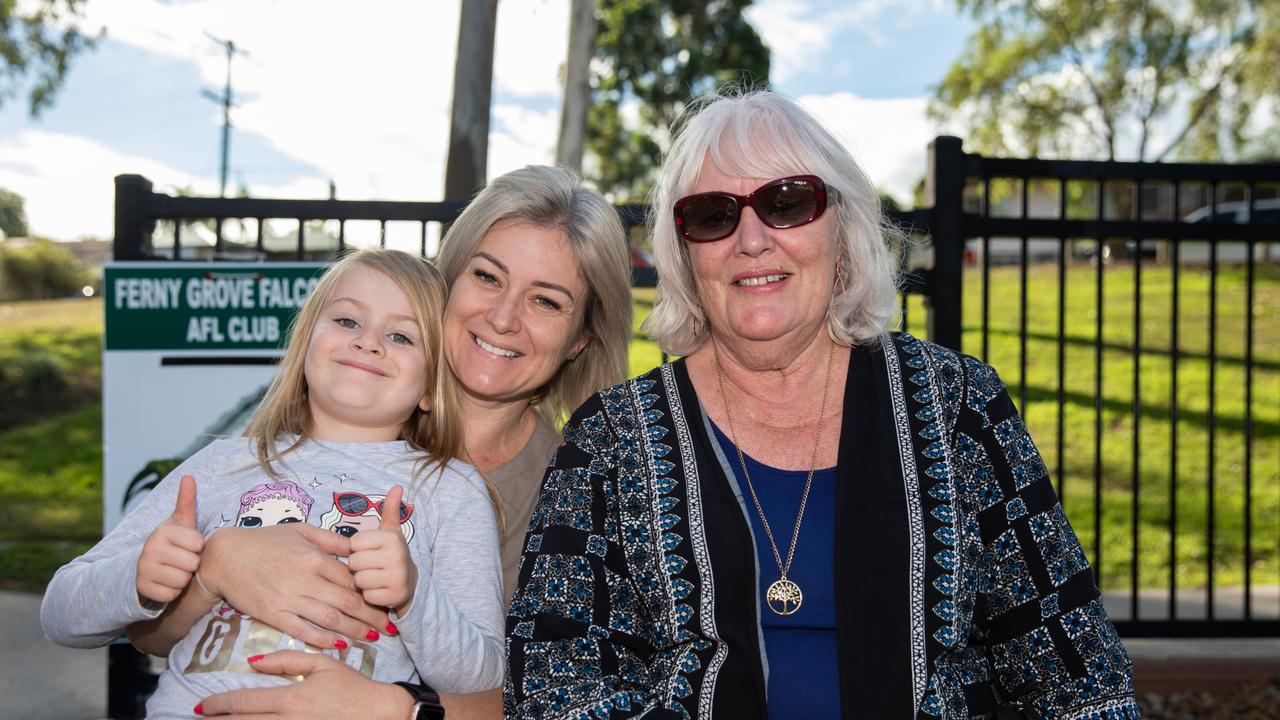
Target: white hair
point(762, 134)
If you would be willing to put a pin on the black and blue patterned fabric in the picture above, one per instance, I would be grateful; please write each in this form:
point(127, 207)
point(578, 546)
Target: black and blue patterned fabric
point(960, 586)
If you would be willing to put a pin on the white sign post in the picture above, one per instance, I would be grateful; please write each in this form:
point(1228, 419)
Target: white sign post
point(188, 351)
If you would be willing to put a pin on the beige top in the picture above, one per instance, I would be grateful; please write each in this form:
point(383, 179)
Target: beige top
point(518, 483)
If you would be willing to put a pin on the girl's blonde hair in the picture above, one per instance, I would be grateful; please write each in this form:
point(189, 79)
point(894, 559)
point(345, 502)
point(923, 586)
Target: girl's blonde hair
point(555, 198)
point(285, 409)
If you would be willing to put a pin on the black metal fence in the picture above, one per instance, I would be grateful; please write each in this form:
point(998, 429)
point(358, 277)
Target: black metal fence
point(1132, 310)
point(1131, 307)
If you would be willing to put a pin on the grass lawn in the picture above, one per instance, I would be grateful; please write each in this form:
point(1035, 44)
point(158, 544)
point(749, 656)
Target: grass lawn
point(50, 466)
point(1151, 428)
point(50, 437)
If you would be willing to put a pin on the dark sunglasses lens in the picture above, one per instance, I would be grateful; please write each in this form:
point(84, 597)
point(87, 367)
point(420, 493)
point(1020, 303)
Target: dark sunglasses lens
point(404, 511)
point(709, 217)
point(788, 204)
point(353, 504)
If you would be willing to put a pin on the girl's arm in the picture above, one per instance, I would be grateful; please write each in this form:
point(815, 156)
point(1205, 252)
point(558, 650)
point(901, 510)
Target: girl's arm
point(453, 630)
point(284, 574)
point(158, 635)
point(93, 597)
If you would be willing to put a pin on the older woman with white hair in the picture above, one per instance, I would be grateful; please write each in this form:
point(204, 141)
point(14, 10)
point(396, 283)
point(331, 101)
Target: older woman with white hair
point(806, 516)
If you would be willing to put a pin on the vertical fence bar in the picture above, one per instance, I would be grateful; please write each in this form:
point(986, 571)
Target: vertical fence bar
point(133, 224)
point(260, 243)
point(382, 234)
point(986, 274)
point(422, 241)
point(1100, 258)
point(1174, 253)
point(1024, 256)
point(1137, 411)
point(342, 237)
point(302, 239)
point(986, 298)
point(1213, 391)
point(177, 238)
point(1062, 342)
point(945, 186)
point(1248, 413)
point(217, 237)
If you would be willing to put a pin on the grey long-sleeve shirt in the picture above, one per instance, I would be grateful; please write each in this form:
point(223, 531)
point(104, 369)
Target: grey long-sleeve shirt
point(452, 634)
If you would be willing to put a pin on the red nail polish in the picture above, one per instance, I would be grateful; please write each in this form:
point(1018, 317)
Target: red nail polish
point(372, 635)
point(199, 708)
point(255, 658)
point(340, 644)
point(392, 629)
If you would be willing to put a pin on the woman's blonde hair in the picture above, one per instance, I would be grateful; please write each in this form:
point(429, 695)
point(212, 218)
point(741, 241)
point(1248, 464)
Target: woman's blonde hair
point(761, 134)
point(554, 198)
point(285, 409)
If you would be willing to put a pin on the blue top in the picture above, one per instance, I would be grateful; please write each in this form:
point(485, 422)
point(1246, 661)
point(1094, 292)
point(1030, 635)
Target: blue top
point(801, 647)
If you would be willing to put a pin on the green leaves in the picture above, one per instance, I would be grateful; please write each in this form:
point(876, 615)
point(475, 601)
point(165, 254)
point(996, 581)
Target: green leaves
point(652, 57)
point(37, 44)
point(1134, 79)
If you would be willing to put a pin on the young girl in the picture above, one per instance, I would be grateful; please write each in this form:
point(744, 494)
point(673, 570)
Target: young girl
point(360, 407)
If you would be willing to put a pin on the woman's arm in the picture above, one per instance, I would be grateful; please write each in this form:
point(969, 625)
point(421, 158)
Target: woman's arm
point(1050, 644)
point(326, 691)
point(285, 575)
point(329, 689)
point(583, 636)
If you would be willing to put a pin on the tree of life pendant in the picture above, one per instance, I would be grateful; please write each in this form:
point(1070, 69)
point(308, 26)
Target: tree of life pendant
point(784, 597)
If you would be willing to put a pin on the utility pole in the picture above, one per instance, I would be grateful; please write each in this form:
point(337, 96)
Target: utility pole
point(226, 109)
point(472, 87)
point(577, 84)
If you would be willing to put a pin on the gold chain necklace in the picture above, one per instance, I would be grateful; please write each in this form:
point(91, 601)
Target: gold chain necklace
point(783, 596)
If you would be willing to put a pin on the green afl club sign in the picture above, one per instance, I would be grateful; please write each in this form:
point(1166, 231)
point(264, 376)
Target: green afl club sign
point(169, 306)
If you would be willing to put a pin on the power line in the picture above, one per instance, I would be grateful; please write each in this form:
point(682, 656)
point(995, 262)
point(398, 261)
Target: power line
point(226, 108)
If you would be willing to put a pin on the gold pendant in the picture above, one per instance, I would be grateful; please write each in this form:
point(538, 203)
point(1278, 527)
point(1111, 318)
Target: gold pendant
point(784, 597)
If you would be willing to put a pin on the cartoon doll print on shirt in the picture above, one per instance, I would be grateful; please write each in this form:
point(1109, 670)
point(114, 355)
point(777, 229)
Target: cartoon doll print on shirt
point(273, 503)
point(353, 512)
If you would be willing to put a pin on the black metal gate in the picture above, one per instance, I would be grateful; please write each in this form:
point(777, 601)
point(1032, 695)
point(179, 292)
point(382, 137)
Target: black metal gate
point(1132, 308)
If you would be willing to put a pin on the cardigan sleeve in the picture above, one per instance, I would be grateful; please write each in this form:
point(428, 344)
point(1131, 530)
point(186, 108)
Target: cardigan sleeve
point(1039, 619)
point(579, 640)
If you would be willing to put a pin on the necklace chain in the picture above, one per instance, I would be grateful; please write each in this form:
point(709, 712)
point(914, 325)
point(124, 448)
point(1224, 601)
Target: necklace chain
point(783, 568)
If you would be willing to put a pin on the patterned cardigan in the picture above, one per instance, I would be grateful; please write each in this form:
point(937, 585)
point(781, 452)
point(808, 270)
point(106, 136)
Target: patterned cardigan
point(960, 588)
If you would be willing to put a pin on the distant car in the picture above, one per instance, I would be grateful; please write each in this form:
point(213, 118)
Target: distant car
point(1265, 212)
point(643, 274)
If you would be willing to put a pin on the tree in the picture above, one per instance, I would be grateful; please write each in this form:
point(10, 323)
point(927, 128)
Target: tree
point(39, 271)
point(1120, 79)
point(37, 43)
point(13, 215)
point(652, 57)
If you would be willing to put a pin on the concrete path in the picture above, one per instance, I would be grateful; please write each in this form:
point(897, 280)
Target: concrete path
point(40, 680)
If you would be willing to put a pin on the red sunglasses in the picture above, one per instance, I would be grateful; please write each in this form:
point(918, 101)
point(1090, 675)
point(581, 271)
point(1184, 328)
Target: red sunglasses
point(354, 504)
point(783, 203)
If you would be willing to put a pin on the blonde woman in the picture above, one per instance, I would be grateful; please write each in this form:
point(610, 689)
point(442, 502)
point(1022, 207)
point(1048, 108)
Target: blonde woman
point(358, 410)
point(538, 318)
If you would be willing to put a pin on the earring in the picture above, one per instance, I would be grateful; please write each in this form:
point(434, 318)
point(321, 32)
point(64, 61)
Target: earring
point(840, 276)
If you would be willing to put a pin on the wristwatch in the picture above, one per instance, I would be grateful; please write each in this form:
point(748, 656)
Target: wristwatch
point(426, 702)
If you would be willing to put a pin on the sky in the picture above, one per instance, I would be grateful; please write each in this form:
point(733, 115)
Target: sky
point(359, 94)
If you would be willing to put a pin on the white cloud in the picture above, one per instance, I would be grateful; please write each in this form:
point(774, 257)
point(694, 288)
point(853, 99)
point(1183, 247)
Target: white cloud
point(799, 34)
point(520, 136)
point(362, 92)
point(68, 181)
point(889, 138)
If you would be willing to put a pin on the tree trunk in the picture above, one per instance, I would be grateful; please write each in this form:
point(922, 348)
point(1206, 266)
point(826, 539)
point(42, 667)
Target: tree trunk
point(472, 87)
point(577, 84)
